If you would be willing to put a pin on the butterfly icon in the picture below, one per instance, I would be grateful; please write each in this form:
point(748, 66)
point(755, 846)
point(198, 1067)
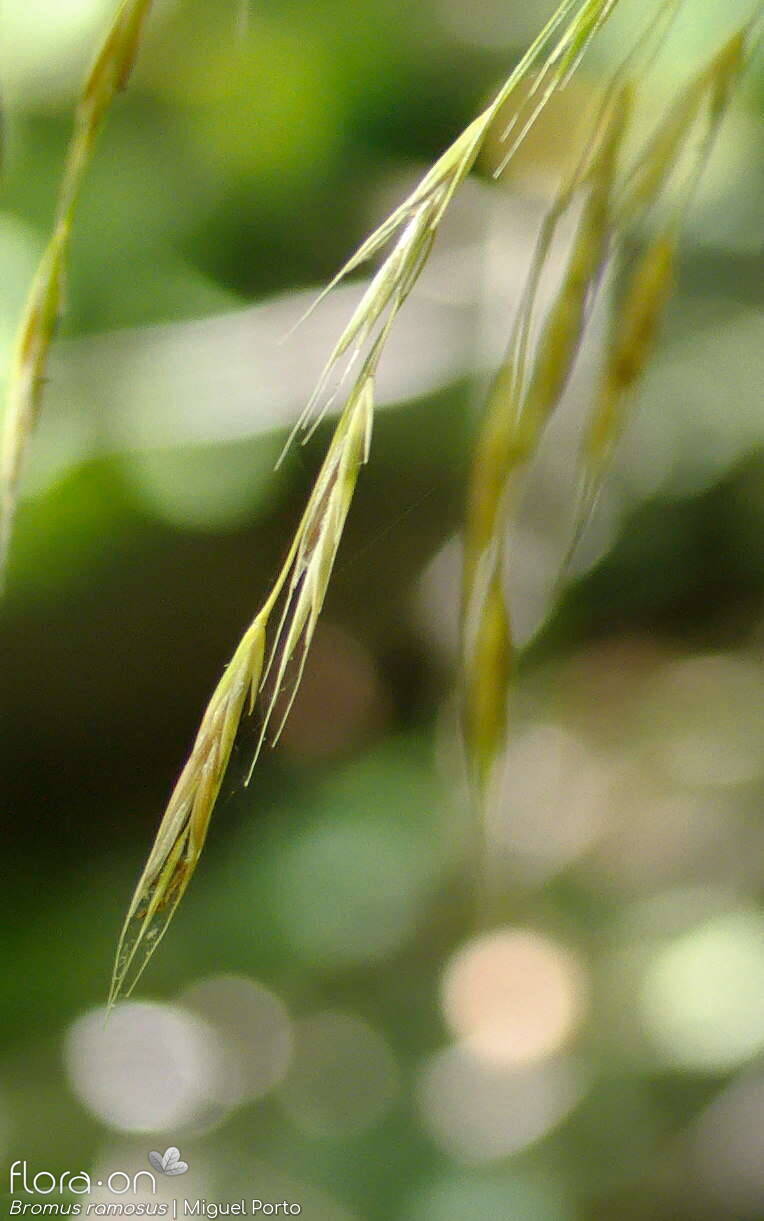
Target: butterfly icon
point(168, 1162)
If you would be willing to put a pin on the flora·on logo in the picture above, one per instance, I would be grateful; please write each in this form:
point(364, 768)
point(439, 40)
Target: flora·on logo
point(168, 1162)
point(44, 1182)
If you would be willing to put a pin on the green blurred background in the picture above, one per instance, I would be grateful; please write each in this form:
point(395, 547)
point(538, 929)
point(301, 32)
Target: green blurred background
point(325, 1023)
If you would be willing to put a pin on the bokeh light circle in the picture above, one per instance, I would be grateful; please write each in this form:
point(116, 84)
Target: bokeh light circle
point(702, 999)
point(513, 995)
point(478, 1112)
point(255, 1031)
point(150, 1068)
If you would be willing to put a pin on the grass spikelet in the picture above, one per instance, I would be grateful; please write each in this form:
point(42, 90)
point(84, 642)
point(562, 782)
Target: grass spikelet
point(109, 73)
point(318, 541)
point(554, 74)
point(488, 660)
point(518, 407)
point(561, 337)
point(386, 293)
point(487, 650)
point(528, 388)
point(305, 575)
point(636, 324)
point(183, 830)
point(514, 419)
point(634, 336)
point(619, 94)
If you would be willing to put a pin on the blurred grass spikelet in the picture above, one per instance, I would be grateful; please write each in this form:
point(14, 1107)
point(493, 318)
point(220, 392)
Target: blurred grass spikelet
point(518, 407)
point(108, 74)
point(637, 318)
point(634, 334)
point(711, 88)
point(563, 328)
point(487, 649)
point(533, 377)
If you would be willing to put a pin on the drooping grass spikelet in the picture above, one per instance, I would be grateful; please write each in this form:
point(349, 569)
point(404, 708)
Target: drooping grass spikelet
point(319, 540)
point(384, 297)
point(518, 407)
point(183, 830)
point(530, 385)
point(634, 335)
point(305, 573)
point(109, 73)
point(487, 650)
point(516, 412)
point(563, 330)
point(488, 663)
point(621, 85)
